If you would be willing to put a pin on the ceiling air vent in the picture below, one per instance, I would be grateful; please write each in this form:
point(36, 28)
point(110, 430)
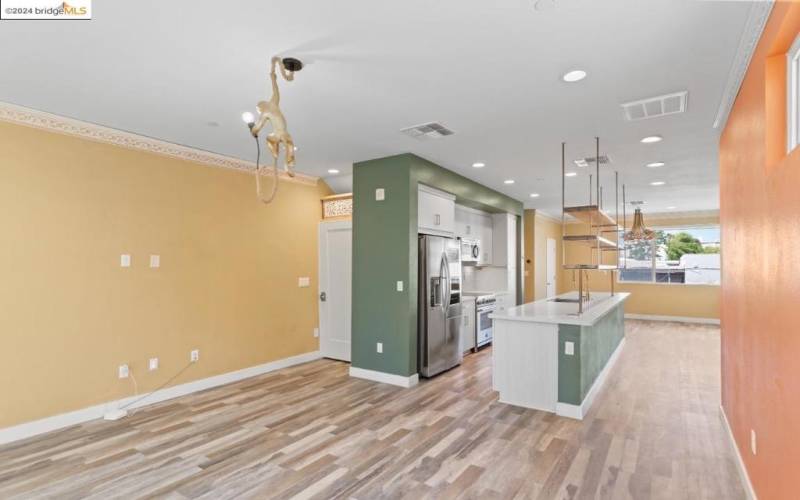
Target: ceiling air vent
point(654, 107)
point(585, 162)
point(426, 131)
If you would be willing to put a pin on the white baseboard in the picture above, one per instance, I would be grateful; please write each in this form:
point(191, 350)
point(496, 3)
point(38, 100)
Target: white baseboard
point(748, 486)
point(385, 378)
point(679, 319)
point(580, 411)
point(29, 429)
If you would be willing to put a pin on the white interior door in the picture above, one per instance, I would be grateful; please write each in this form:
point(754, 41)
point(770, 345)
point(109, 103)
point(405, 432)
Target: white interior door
point(550, 276)
point(335, 292)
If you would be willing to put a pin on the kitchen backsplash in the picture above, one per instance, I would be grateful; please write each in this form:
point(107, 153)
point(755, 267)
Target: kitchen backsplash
point(485, 278)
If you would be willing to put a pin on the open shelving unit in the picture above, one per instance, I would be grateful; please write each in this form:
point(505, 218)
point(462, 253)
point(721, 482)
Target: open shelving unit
point(600, 232)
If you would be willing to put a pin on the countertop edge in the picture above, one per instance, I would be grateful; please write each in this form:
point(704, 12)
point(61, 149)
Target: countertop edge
point(606, 306)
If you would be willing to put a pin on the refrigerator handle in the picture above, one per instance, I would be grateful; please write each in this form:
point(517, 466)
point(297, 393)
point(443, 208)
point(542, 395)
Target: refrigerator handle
point(446, 285)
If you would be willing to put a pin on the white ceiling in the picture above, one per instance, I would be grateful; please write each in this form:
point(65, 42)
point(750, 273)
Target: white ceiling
point(488, 70)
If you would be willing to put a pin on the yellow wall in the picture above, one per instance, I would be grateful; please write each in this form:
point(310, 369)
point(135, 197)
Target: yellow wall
point(696, 301)
point(528, 225)
point(545, 228)
point(70, 315)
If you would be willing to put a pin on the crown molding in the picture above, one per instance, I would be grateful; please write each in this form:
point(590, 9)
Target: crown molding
point(753, 28)
point(21, 115)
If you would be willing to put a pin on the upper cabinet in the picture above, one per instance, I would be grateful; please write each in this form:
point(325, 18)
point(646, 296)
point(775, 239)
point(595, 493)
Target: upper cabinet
point(436, 212)
point(475, 225)
point(504, 238)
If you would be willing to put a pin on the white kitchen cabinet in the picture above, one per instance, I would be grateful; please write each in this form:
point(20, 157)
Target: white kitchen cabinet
point(485, 224)
point(473, 224)
point(435, 211)
point(464, 227)
point(504, 240)
point(467, 323)
point(504, 300)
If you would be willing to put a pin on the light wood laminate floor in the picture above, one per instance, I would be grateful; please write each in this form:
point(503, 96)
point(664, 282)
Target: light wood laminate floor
point(313, 432)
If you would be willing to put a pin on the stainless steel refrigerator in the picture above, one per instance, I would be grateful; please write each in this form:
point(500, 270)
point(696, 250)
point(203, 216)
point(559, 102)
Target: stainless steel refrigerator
point(439, 311)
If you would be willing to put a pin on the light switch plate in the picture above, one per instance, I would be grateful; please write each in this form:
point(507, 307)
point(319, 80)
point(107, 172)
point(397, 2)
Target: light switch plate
point(379, 347)
point(753, 443)
point(155, 261)
point(153, 364)
point(125, 260)
point(316, 332)
point(399, 286)
point(194, 356)
point(380, 194)
point(123, 371)
point(304, 282)
point(569, 348)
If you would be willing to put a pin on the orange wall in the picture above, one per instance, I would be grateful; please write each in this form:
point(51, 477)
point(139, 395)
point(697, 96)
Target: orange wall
point(760, 217)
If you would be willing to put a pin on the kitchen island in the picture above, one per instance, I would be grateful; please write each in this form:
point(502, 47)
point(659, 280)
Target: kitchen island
point(547, 357)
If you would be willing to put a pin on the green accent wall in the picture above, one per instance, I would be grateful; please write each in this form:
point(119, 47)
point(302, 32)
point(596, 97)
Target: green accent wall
point(594, 345)
point(385, 251)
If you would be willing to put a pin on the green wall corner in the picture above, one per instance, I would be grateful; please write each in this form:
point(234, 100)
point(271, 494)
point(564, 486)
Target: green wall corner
point(385, 251)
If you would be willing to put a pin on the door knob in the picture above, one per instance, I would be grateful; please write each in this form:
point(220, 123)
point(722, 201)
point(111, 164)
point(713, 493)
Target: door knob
point(323, 296)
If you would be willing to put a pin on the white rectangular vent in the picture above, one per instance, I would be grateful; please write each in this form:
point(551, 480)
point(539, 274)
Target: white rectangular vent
point(654, 107)
point(585, 162)
point(425, 131)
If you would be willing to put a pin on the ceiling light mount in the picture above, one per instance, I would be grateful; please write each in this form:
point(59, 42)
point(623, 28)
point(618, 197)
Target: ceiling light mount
point(292, 64)
point(650, 139)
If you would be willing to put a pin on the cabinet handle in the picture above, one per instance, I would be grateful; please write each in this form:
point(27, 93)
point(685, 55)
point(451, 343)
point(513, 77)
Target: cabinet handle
point(437, 219)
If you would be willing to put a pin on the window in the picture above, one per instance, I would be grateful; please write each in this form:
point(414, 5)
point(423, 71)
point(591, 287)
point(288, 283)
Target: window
point(689, 255)
point(793, 95)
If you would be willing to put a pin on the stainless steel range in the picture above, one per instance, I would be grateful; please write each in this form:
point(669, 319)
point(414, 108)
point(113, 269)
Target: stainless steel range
point(484, 306)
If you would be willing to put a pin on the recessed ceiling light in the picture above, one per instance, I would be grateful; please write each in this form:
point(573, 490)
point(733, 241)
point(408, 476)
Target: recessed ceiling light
point(333, 171)
point(575, 75)
point(651, 139)
point(509, 181)
point(478, 165)
point(671, 208)
point(534, 195)
point(655, 164)
point(657, 183)
point(570, 174)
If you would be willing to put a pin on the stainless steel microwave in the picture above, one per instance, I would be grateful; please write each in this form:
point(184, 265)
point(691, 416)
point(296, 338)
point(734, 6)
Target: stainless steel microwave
point(470, 251)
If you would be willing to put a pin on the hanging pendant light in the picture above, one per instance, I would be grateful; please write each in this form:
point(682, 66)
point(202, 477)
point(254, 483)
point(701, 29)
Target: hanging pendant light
point(639, 231)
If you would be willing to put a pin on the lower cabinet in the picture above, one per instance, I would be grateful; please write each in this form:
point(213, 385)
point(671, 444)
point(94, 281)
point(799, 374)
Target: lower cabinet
point(467, 323)
point(504, 301)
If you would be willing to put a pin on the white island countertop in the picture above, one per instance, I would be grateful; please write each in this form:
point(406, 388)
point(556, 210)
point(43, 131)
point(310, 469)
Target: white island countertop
point(548, 311)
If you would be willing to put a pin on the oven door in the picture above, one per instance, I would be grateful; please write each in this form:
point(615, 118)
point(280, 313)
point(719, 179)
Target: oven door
point(483, 325)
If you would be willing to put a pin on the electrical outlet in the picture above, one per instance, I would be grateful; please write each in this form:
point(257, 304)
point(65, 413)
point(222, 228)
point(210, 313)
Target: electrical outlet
point(399, 286)
point(125, 260)
point(155, 261)
point(380, 194)
point(569, 348)
point(124, 371)
point(153, 364)
point(379, 347)
point(753, 446)
point(194, 356)
point(316, 332)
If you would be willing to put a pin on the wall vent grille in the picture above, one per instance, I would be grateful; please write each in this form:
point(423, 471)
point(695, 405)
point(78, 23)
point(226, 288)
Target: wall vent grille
point(425, 131)
point(654, 107)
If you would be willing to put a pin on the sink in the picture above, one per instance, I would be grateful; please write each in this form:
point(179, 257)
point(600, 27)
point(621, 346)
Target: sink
point(564, 299)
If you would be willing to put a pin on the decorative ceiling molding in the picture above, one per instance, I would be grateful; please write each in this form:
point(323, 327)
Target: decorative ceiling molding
point(54, 123)
point(753, 28)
